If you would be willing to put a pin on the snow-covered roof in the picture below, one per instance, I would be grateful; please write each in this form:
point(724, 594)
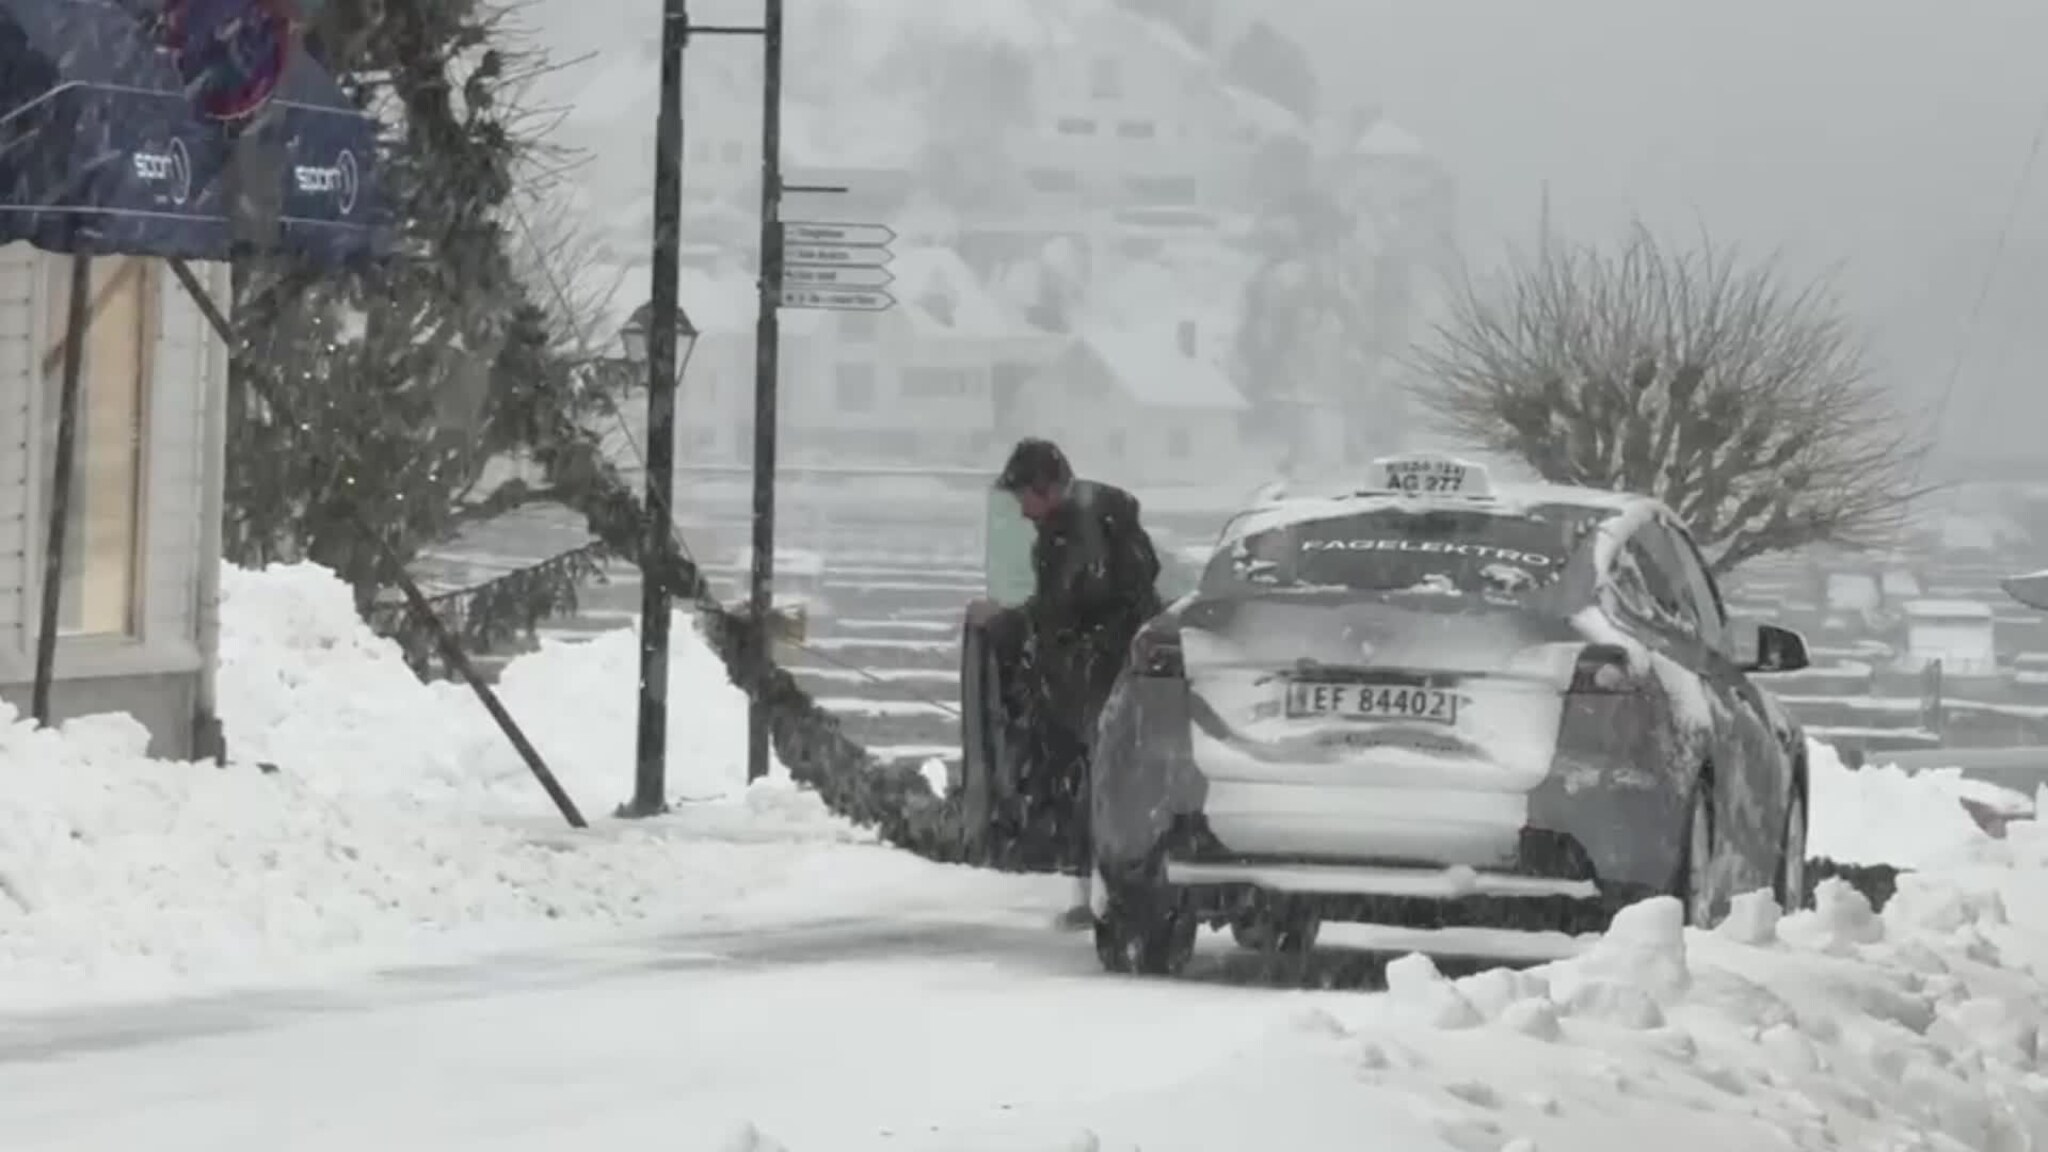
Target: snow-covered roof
point(1948, 610)
point(1147, 362)
point(975, 312)
point(1265, 112)
point(1386, 138)
point(1166, 36)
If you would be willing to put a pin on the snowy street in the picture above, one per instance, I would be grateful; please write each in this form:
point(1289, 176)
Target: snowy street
point(1021, 576)
point(390, 940)
point(991, 1032)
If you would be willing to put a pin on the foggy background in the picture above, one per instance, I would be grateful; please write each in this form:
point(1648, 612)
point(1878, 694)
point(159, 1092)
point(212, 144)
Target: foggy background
point(1884, 137)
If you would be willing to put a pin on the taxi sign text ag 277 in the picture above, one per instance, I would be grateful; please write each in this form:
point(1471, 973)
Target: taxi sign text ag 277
point(1433, 476)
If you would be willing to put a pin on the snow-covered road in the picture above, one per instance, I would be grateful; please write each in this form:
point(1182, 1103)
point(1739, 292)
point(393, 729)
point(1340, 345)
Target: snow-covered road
point(989, 1031)
point(403, 950)
point(917, 1033)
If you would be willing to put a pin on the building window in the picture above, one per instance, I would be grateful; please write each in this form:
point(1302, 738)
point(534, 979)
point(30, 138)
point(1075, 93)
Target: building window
point(937, 383)
point(1137, 130)
point(1105, 79)
point(1053, 180)
point(1076, 126)
point(1177, 445)
point(1166, 189)
point(103, 531)
point(854, 387)
point(859, 327)
point(732, 152)
point(1114, 443)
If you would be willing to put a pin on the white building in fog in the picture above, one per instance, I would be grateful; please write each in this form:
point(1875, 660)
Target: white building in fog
point(1137, 114)
point(1140, 403)
point(913, 385)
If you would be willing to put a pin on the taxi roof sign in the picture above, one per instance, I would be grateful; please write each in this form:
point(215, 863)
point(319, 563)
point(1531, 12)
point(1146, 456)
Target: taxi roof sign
point(1432, 474)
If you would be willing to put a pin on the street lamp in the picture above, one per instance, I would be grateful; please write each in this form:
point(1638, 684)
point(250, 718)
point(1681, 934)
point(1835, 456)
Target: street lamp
point(633, 338)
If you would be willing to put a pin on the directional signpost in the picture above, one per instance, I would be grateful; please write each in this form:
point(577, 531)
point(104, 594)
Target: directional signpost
point(839, 235)
point(836, 267)
point(806, 276)
point(829, 256)
point(837, 299)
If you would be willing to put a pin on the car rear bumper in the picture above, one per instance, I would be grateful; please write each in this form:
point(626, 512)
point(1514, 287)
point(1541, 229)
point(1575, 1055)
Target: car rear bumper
point(1548, 883)
point(1370, 880)
point(1447, 826)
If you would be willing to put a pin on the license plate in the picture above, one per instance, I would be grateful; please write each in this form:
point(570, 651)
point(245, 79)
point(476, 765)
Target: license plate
point(1371, 702)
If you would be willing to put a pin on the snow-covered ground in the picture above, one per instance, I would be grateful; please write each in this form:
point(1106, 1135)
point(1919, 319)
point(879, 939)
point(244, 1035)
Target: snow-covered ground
point(462, 972)
point(399, 823)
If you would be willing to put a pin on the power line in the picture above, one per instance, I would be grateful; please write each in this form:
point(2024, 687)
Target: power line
point(1991, 269)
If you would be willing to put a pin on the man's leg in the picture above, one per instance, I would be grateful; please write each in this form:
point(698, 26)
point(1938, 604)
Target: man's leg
point(1066, 797)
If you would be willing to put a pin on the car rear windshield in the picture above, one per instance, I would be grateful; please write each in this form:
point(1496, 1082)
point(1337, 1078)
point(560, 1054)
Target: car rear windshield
point(1420, 550)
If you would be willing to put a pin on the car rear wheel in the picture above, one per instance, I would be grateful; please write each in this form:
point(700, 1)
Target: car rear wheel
point(1289, 935)
point(1791, 885)
point(1144, 930)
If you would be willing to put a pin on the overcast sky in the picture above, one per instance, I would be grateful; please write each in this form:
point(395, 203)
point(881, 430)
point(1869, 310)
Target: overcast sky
point(1886, 136)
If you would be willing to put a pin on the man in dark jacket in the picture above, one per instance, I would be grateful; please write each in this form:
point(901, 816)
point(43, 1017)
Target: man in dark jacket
point(1095, 585)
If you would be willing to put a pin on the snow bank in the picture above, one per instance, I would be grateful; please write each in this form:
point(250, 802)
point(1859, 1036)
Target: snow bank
point(1832, 1028)
point(1883, 815)
point(305, 684)
point(398, 823)
point(1919, 1028)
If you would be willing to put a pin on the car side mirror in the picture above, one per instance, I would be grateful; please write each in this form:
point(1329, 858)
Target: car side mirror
point(1778, 650)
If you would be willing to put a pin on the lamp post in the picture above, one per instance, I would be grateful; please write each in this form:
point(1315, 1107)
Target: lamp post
point(656, 336)
point(649, 343)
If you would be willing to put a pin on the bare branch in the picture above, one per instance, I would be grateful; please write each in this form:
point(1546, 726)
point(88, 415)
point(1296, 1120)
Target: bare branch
point(1740, 401)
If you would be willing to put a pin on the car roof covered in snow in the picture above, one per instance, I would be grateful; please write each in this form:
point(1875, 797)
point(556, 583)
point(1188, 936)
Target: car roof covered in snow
point(1280, 509)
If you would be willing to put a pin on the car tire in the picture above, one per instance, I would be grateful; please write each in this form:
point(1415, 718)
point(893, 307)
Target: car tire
point(1143, 930)
point(1791, 885)
point(1696, 856)
point(1288, 936)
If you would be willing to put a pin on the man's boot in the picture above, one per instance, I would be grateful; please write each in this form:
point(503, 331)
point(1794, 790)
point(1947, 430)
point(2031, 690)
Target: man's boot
point(1081, 916)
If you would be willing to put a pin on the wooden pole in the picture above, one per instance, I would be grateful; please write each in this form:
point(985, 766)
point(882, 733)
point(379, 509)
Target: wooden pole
point(650, 775)
point(60, 484)
point(767, 348)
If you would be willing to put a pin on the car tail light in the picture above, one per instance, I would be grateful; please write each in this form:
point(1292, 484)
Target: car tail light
point(1603, 670)
point(1156, 652)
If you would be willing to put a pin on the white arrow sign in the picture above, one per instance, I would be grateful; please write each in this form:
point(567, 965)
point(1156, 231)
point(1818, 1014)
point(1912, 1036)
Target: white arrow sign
point(838, 299)
point(837, 277)
point(837, 255)
point(868, 235)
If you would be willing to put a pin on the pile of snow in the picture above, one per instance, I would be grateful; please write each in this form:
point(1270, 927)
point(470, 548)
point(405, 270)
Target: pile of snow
point(1884, 815)
point(1836, 1027)
point(397, 820)
point(305, 685)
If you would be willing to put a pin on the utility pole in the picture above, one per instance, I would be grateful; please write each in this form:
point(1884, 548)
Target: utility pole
point(650, 777)
point(767, 341)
